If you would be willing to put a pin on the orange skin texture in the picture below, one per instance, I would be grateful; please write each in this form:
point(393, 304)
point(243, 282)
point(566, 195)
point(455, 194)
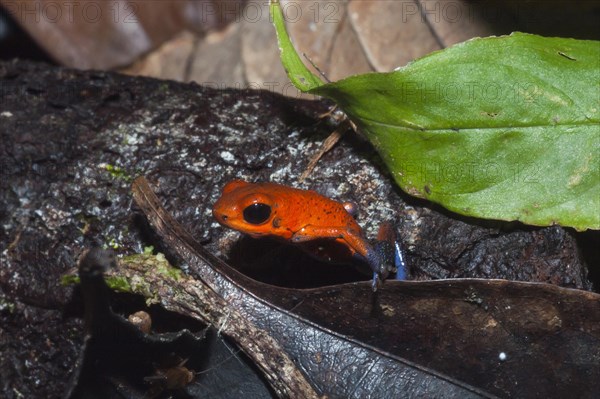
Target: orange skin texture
point(319, 225)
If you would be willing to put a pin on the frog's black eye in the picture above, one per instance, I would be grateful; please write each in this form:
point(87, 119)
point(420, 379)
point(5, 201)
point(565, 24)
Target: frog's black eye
point(257, 213)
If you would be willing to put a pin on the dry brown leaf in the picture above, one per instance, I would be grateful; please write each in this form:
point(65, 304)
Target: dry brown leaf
point(169, 61)
point(108, 34)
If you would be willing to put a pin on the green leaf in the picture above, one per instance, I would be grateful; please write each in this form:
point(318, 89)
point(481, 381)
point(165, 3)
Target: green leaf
point(298, 73)
point(501, 128)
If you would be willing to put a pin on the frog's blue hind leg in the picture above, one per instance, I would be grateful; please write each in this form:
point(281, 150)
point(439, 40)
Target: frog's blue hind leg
point(376, 260)
point(385, 257)
point(399, 262)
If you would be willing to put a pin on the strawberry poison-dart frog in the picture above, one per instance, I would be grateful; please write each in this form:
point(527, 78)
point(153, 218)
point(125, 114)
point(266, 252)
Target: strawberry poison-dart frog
point(324, 228)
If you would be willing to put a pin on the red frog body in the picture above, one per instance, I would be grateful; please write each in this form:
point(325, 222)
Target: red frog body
point(321, 226)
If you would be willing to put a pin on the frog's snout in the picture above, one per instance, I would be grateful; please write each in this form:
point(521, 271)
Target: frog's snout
point(220, 216)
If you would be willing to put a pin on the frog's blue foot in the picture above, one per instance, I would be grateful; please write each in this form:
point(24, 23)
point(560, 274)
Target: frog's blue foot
point(399, 262)
point(386, 258)
point(381, 260)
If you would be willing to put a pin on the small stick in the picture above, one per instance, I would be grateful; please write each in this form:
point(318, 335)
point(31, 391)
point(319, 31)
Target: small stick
point(327, 145)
